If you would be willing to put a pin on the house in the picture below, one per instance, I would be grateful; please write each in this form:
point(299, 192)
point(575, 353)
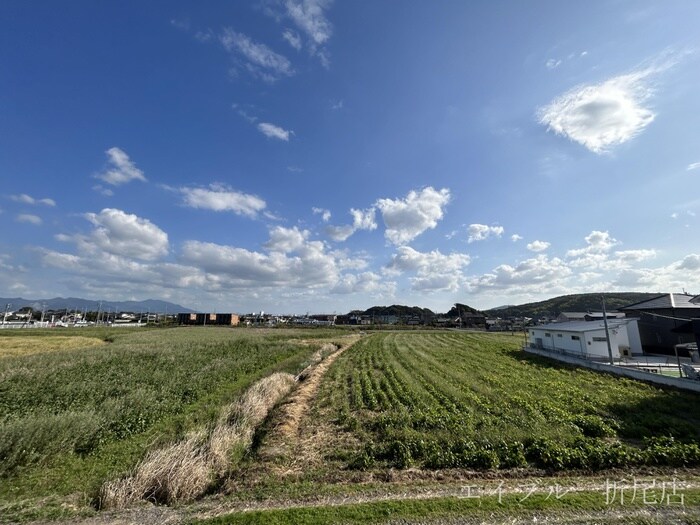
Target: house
point(658, 318)
point(587, 338)
point(208, 319)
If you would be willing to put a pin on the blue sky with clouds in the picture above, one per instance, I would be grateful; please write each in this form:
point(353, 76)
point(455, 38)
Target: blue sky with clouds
point(310, 155)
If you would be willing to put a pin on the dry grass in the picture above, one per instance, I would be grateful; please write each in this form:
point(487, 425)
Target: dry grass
point(181, 472)
point(28, 345)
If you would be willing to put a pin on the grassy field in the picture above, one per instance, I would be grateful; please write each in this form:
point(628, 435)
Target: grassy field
point(71, 419)
point(442, 400)
point(396, 427)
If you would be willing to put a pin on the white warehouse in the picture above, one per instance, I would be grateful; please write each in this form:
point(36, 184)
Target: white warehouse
point(587, 338)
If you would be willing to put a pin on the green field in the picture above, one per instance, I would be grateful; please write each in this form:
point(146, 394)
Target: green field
point(396, 426)
point(72, 418)
point(441, 400)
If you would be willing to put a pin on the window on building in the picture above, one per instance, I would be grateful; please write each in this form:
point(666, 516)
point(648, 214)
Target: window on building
point(559, 335)
point(575, 338)
point(599, 339)
point(547, 335)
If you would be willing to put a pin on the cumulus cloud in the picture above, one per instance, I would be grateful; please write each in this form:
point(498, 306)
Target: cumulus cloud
point(433, 270)
point(286, 240)
point(361, 220)
point(325, 214)
point(124, 234)
point(633, 256)
point(690, 262)
point(539, 272)
point(219, 197)
point(515, 237)
point(603, 115)
point(596, 252)
point(29, 219)
point(258, 59)
point(480, 232)
point(274, 132)
point(26, 199)
point(366, 282)
point(538, 246)
point(405, 219)
point(122, 170)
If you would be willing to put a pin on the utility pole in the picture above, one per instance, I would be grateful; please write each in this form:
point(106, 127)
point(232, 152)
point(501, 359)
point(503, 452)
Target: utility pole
point(607, 332)
point(4, 317)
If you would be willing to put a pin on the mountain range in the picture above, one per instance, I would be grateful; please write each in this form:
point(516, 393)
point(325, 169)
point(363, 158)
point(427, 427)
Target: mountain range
point(75, 303)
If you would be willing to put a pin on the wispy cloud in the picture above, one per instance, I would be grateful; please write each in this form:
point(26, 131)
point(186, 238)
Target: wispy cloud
point(274, 132)
point(293, 38)
point(122, 170)
point(481, 232)
point(552, 63)
point(600, 116)
point(26, 199)
point(219, 197)
point(258, 59)
point(693, 166)
point(29, 219)
point(309, 17)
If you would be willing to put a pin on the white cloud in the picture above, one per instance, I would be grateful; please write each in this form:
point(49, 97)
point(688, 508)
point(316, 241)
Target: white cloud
point(259, 60)
point(405, 219)
point(219, 197)
point(26, 199)
point(480, 232)
point(366, 282)
point(540, 273)
point(690, 262)
point(309, 267)
point(434, 271)
point(126, 235)
point(361, 220)
point(122, 170)
point(693, 166)
point(596, 242)
point(286, 240)
point(325, 214)
point(552, 63)
point(538, 246)
point(310, 17)
point(603, 115)
point(274, 132)
point(293, 38)
point(29, 219)
point(632, 256)
point(515, 237)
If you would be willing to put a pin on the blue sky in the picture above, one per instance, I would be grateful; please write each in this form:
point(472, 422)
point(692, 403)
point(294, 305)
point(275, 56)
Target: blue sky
point(321, 156)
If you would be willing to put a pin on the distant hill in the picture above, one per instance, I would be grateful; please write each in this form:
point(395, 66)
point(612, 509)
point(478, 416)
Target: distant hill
point(459, 310)
point(571, 303)
point(398, 310)
point(75, 303)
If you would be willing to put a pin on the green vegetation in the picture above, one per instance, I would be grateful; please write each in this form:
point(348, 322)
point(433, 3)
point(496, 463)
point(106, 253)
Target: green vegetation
point(572, 303)
point(446, 399)
point(70, 419)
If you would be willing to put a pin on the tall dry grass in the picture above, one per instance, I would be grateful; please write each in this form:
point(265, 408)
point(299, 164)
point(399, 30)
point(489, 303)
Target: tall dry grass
point(182, 471)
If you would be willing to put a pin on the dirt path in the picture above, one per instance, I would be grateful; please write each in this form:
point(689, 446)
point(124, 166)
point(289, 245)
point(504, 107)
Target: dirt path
point(289, 447)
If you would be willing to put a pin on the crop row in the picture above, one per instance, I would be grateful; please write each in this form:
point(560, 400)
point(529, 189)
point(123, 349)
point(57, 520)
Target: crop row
point(450, 399)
